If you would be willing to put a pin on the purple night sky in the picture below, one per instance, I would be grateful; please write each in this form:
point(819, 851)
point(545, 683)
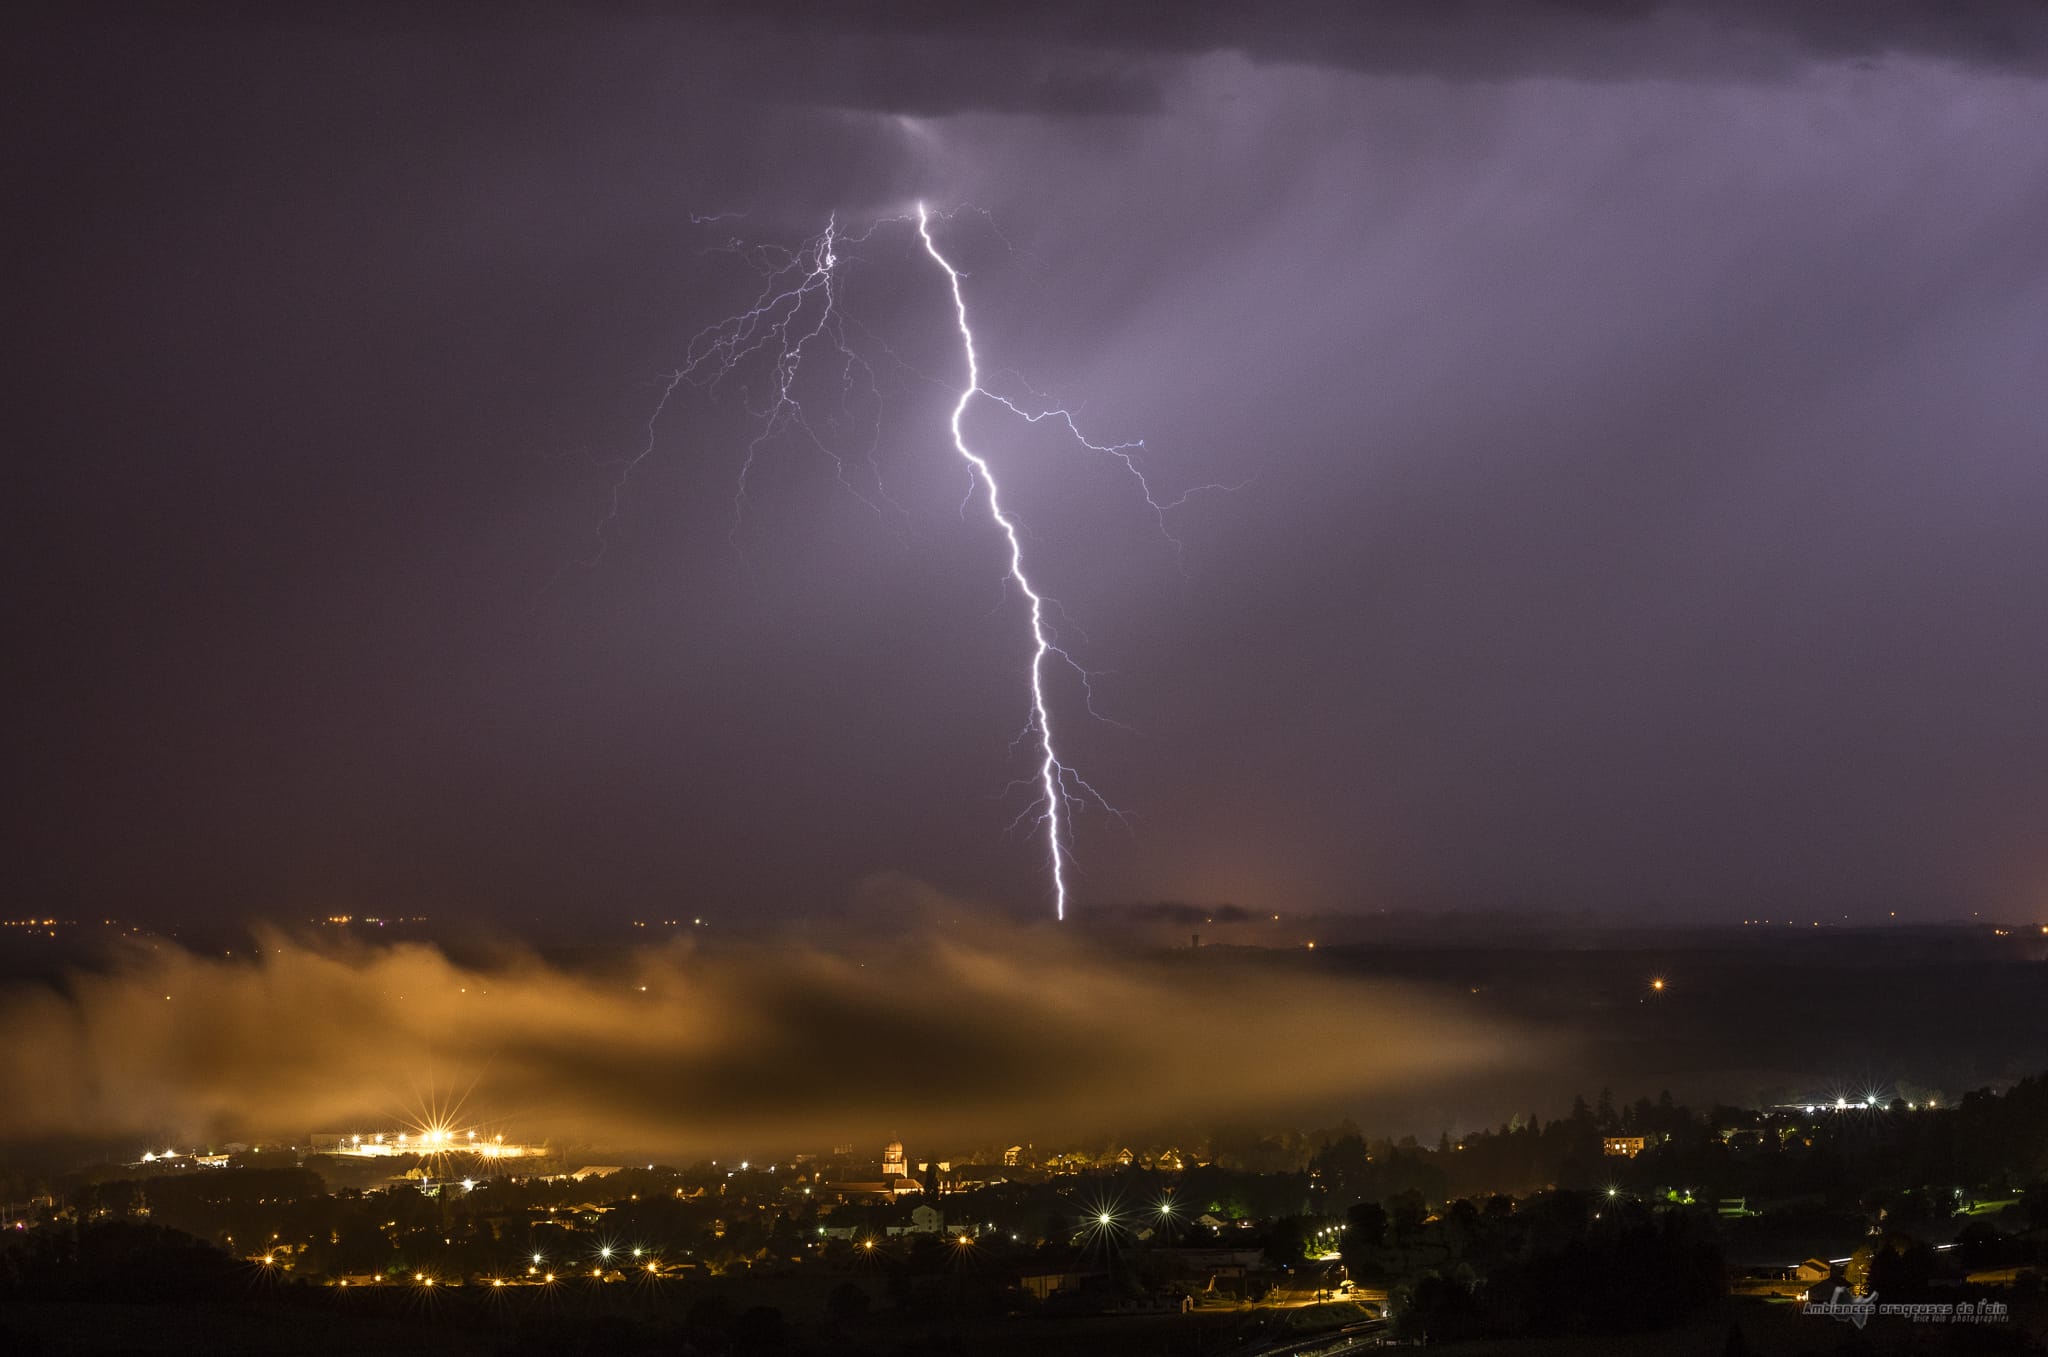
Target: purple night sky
point(1642, 405)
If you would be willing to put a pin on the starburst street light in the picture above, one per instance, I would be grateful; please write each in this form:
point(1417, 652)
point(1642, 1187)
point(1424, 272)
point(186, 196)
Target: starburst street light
point(1101, 1223)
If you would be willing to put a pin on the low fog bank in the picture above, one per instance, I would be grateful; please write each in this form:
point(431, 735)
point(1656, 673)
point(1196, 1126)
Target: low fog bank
point(974, 1031)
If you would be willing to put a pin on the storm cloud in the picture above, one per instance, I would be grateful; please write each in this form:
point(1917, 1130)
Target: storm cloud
point(1640, 406)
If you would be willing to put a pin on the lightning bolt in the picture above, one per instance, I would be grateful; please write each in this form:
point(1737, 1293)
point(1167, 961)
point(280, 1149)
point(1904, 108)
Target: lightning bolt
point(1052, 774)
point(796, 310)
point(1127, 453)
point(795, 316)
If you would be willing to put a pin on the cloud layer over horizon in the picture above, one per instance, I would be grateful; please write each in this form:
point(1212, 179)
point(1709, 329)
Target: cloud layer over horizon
point(980, 1034)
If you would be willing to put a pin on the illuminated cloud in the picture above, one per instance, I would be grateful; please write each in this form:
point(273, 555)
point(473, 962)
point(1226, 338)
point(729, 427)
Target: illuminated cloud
point(992, 1030)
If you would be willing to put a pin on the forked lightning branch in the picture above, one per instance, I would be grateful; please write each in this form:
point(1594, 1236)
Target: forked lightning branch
point(796, 319)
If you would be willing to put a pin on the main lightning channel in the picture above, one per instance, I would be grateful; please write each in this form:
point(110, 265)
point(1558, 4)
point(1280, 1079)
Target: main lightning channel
point(1051, 772)
point(795, 320)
